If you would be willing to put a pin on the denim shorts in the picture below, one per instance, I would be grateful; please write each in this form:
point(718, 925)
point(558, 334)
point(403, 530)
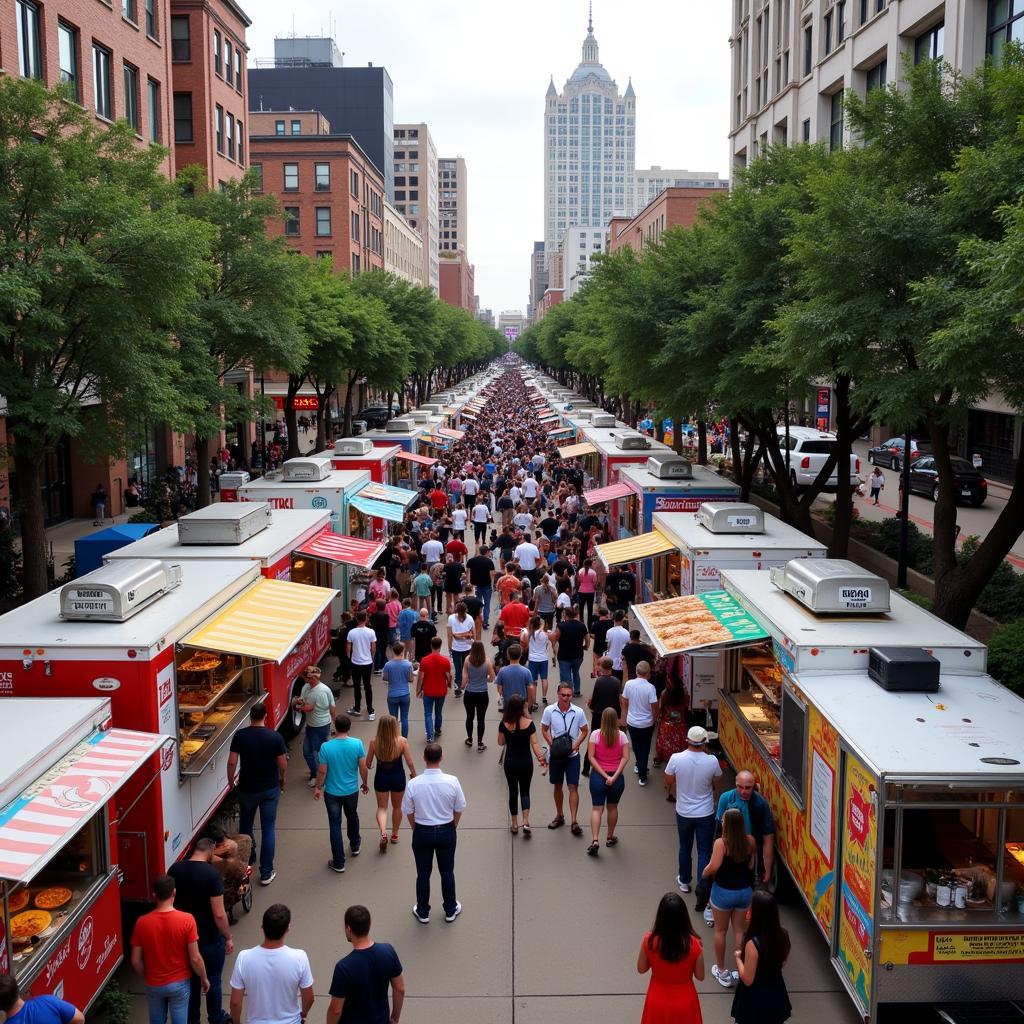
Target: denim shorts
point(731, 899)
point(538, 669)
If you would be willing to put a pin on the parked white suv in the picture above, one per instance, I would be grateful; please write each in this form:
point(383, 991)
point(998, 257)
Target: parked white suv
point(808, 450)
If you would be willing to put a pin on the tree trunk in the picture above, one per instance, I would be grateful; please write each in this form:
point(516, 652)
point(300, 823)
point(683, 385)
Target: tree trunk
point(847, 430)
point(677, 434)
point(702, 442)
point(291, 421)
point(348, 406)
point(202, 471)
point(29, 467)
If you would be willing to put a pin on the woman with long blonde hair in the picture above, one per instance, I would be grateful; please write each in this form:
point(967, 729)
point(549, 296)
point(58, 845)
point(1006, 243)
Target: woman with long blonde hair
point(609, 755)
point(535, 639)
point(732, 868)
point(389, 746)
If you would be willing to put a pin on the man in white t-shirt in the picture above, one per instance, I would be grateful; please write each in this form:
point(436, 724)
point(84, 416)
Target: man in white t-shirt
point(515, 493)
point(618, 637)
point(362, 647)
point(431, 550)
point(459, 517)
point(523, 519)
point(470, 486)
point(273, 977)
point(527, 554)
point(690, 778)
point(481, 516)
point(530, 488)
point(640, 712)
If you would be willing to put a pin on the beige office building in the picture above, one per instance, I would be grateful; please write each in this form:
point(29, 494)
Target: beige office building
point(451, 187)
point(416, 191)
point(403, 247)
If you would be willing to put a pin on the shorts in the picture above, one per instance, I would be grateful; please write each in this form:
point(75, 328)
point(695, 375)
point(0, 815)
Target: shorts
point(600, 791)
point(731, 899)
point(389, 779)
point(565, 771)
point(538, 669)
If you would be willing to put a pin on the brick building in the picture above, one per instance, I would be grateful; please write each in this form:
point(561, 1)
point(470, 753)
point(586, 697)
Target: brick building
point(331, 192)
point(674, 207)
point(457, 281)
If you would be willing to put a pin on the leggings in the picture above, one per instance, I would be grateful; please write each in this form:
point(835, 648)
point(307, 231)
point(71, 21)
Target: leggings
point(518, 774)
point(586, 605)
point(476, 704)
point(480, 532)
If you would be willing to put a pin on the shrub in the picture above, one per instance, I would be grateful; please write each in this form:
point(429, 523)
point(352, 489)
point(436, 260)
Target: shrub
point(1003, 597)
point(1006, 655)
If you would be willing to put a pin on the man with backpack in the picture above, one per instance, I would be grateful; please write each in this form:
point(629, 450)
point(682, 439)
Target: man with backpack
point(564, 728)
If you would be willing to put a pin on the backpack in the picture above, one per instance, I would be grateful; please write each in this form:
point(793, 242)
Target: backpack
point(561, 746)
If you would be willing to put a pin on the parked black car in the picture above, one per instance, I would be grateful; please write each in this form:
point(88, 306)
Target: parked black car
point(890, 453)
point(971, 486)
point(375, 416)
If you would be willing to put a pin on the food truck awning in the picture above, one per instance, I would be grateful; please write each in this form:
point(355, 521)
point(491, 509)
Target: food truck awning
point(402, 496)
point(561, 432)
point(573, 451)
point(386, 510)
point(437, 442)
point(550, 417)
point(342, 550)
point(602, 494)
point(37, 825)
point(467, 414)
point(634, 549)
point(714, 619)
point(264, 622)
point(420, 460)
point(455, 435)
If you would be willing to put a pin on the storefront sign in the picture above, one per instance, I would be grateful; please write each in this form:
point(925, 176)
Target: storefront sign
point(823, 408)
point(665, 504)
point(920, 947)
point(300, 403)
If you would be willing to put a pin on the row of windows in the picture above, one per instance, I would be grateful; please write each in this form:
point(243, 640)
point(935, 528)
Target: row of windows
point(227, 59)
point(413, 180)
point(414, 154)
point(574, 105)
point(401, 196)
point(296, 127)
point(321, 183)
point(229, 130)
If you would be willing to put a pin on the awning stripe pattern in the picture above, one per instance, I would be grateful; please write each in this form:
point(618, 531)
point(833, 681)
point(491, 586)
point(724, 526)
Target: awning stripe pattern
point(385, 492)
point(386, 510)
point(609, 493)
point(342, 550)
point(561, 432)
point(634, 549)
point(455, 435)
point(420, 460)
point(575, 451)
point(265, 622)
point(39, 823)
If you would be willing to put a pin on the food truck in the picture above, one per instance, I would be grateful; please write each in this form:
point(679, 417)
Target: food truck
point(183, 650)
point(387, 464)
point(893, 766)
point(414, 434)
point(64, 773)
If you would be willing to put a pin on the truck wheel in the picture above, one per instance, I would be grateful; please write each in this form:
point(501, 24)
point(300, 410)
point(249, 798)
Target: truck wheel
point(894, 464)
point(293, 721)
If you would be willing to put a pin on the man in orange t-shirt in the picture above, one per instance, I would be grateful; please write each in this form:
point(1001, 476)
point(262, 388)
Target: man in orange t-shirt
point(516, 616)
point(165, 952)
point(434, 683)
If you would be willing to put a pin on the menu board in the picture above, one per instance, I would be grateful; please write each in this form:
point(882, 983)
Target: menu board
point(696, 621)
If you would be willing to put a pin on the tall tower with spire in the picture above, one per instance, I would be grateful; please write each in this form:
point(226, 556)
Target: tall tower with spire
point(589, 148)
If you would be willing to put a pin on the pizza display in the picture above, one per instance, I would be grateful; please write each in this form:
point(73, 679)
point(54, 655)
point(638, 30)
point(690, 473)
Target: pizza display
point(28, 925)
point(53, 898)
point(195, 698)
point(201, 662)
point(682, 623)
point(19, 901)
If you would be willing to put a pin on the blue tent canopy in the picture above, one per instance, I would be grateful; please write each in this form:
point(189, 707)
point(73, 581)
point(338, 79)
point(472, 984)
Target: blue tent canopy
point(90, 549)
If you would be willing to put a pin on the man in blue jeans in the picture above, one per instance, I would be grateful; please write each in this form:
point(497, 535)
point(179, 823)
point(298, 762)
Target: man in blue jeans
point(398, 675)
point(341, 775)
point(690, 778)
point(433, 803)
point(316, 701)
point(263, 756)
point(571, 640)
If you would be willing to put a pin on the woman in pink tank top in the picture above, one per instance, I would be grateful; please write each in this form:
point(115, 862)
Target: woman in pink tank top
point(609, 755)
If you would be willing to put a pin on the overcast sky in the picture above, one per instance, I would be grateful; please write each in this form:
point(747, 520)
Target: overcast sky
point(476, 71)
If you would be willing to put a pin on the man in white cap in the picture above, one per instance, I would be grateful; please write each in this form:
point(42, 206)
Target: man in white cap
point(690, 778)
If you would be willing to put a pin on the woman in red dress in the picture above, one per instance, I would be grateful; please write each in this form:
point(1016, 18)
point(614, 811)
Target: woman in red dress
point(673, 954)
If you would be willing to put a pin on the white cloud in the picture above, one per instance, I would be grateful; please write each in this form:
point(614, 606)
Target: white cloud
point(476, 71)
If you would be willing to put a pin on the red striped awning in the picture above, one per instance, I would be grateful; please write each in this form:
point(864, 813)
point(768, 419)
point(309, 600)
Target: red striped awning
point(420, 460)
point(342, 550)
point(602, 494)
point(455, 435)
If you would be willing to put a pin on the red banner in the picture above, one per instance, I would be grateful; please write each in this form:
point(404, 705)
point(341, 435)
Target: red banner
point(301, 403)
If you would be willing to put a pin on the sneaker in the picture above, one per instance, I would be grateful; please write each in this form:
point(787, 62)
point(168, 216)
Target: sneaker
point(544, 699)
point(683, 886)
point(371, 716)
point(311, 783)
point(455, 913)
point(709, 918)
point(642, 782)
point(724, 978)
point(269, 878)
point(735, 976)
point(340, 870)
point(458, 691)
point(416, 914)
point(636, 770)
point(354, 850)
point(355, 712)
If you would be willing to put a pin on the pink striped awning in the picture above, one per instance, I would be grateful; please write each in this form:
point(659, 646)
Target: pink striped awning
point(342, 550)
point(602, 494)
point(420, 460)
point(37, 825)
point(455, 435)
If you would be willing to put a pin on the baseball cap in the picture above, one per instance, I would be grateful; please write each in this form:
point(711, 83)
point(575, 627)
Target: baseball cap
point(697, 735)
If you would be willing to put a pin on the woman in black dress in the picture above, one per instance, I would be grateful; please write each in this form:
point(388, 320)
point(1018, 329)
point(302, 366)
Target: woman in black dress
point(517, 734)
point(389, 748)
point(761, 997)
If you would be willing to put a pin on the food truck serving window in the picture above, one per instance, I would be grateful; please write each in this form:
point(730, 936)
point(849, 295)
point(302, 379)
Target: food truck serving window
point(793, 743)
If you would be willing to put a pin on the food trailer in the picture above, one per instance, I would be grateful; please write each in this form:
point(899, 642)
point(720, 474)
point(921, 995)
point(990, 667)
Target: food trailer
point(62, 771)
point(386, 464)
point(183, 650)
point(893, 766)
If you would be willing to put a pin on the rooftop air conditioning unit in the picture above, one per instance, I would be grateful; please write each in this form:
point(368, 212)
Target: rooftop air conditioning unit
point(420, 415)
point(352, 446)
point(730, 517)
point(630, 440)
point(670, 467)
point(904, 669)
point(232, 479)
point(310, 467)
point(602, 419)
point(226, 522)
point(433, 408)
point(118, 590)
point(832, 585)
point(400, 425)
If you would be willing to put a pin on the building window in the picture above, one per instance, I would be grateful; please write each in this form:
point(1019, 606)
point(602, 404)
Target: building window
point(353, 183)
point(876, 77)
point(240, 132)
point(153, 109)
point(296, 127)
point(67, 48)
point(183, 117)
point(257, 177)
point(231, 136)
point(291, 225)
point(355, 263)
point(1005, 23)
point(840, 21)
point(355, 227)
point(30, 63)
point(131, 96)
point(828, 31)
point(929, 45)
point(128, 10)
point(291, 177)
point(227, 62)
point(279, 127)
point(218, 119)
point(151, 19)
point(101, 80)
point(323, 254)
point(835, 131)
point(181, 41)
point(808, 48)
point(216, 53)
point(238, 69)
point(322, 177)
point(323, 220)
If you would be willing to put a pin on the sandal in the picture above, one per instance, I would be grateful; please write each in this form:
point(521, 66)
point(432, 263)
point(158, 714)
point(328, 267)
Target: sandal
point(611, 840)
point(557, 822)
point(592, 849)
point(575, 829)
point(383, 842)
point(527, 832)
point(394, 837)
point(514, 829)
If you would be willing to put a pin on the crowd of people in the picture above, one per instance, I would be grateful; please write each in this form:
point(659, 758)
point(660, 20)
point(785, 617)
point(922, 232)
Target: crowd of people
point(491, 582)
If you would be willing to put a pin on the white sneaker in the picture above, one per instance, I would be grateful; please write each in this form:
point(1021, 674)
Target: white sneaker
point(709, 918)
point(683, 886)
point(371, 716)
point(455, 913)
point(724, 978)
point(636, 770)
point(311, 783)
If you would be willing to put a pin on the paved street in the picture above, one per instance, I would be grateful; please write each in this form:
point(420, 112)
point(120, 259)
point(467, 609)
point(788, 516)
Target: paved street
point(548, 935)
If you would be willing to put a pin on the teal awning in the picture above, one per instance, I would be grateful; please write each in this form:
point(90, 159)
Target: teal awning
point(385, 492)
point(379, 509)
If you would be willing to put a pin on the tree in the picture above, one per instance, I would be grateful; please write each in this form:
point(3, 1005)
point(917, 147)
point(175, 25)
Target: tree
point(97, 269)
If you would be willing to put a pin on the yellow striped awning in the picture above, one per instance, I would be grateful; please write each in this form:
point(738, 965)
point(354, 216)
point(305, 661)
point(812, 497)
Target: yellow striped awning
point(573, 451)
point(266, 622)
point(634, 549)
